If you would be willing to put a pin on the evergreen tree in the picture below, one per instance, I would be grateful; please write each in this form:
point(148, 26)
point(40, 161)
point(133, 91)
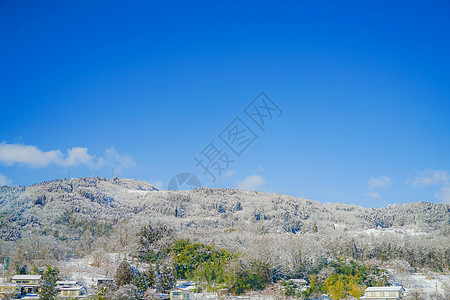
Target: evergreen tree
point(124, 274)
point(48, 291)
point(165, 276)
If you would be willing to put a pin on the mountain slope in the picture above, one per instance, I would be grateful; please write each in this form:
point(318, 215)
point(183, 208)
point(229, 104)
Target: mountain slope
point(65, 206)
point(64, 218)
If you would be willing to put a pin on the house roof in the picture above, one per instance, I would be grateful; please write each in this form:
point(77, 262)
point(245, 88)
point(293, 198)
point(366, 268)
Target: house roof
point(26, 277)
point(71, 288)
point(177, 289)
point(385, 288)
point(9, 284)
point(295, 280)
point(69, 282)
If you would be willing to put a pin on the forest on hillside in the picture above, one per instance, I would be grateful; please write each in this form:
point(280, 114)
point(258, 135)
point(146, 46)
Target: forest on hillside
point(239, 240)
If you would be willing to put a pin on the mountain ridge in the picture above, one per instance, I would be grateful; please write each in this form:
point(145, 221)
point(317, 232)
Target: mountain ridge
point(115, 199)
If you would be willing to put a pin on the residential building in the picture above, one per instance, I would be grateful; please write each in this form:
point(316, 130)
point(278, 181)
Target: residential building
point(384, 293)
point(298, 282)
point(182, 291)
point(68, 283)
point(104, 282)
point(76, 291)
point(70, 289)
point(180, 294)
point(10, 290)
point(30, 283)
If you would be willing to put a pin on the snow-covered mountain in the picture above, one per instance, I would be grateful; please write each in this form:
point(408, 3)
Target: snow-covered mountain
point(64, 208)
point(74, 215)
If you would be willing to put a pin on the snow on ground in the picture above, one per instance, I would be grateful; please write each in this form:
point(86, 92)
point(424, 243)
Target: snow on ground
point(381, 231)
point(427, 284)
point(424, 284)
point(138, 192)
point(91, 268)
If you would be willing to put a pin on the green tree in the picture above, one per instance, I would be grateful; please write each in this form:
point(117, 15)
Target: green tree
point(149, 241)
point(164, 276)
point(49, 278)
point(123, 274)
point(144, 281)
point(199, 261)
point(336, 286)
point(314, 288)
point(247, 276)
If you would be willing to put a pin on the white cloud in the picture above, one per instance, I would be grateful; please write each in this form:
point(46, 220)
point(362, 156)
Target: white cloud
point(11, 154)
point(114, 159)
point(78, 155)
point(4, 180)
point(429, 177)
point(251, 182)
point(443, 195)
point(373, 195)
point(433, 177)
point(382, 181)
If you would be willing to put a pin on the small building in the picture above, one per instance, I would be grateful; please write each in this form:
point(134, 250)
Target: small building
point(70, 289)
point(182, 291)
point(154, 294)
point(104, 282)
point(30, 283)
point(76, 291)
point(180, 294)
point(10, 290)
point(67, 283)
point(298, 282)
point(384, 293)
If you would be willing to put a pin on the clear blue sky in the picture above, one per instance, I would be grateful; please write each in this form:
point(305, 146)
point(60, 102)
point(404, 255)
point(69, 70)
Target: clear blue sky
point(145, 86)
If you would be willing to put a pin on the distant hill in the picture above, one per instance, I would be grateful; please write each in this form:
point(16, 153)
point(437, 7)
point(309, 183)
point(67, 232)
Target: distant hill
point(66, 208)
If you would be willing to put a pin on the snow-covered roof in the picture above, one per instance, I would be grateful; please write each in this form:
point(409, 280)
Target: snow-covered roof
point(185, 285)
point(296, 280)
point(26, 277)
point(71, 288)
point(178, 289)
point(384, 288)
point(10, 284)
point(68, 282)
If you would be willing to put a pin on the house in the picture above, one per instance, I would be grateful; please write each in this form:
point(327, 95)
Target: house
point(183, 290)
point(180, 294)
point(70, 289)
point(10, 290)
point(104, 282)
point(154, 294)
point(76, 291)
point(30, 283)
point(384, 293)
point(61, 284)
point(298, 282)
